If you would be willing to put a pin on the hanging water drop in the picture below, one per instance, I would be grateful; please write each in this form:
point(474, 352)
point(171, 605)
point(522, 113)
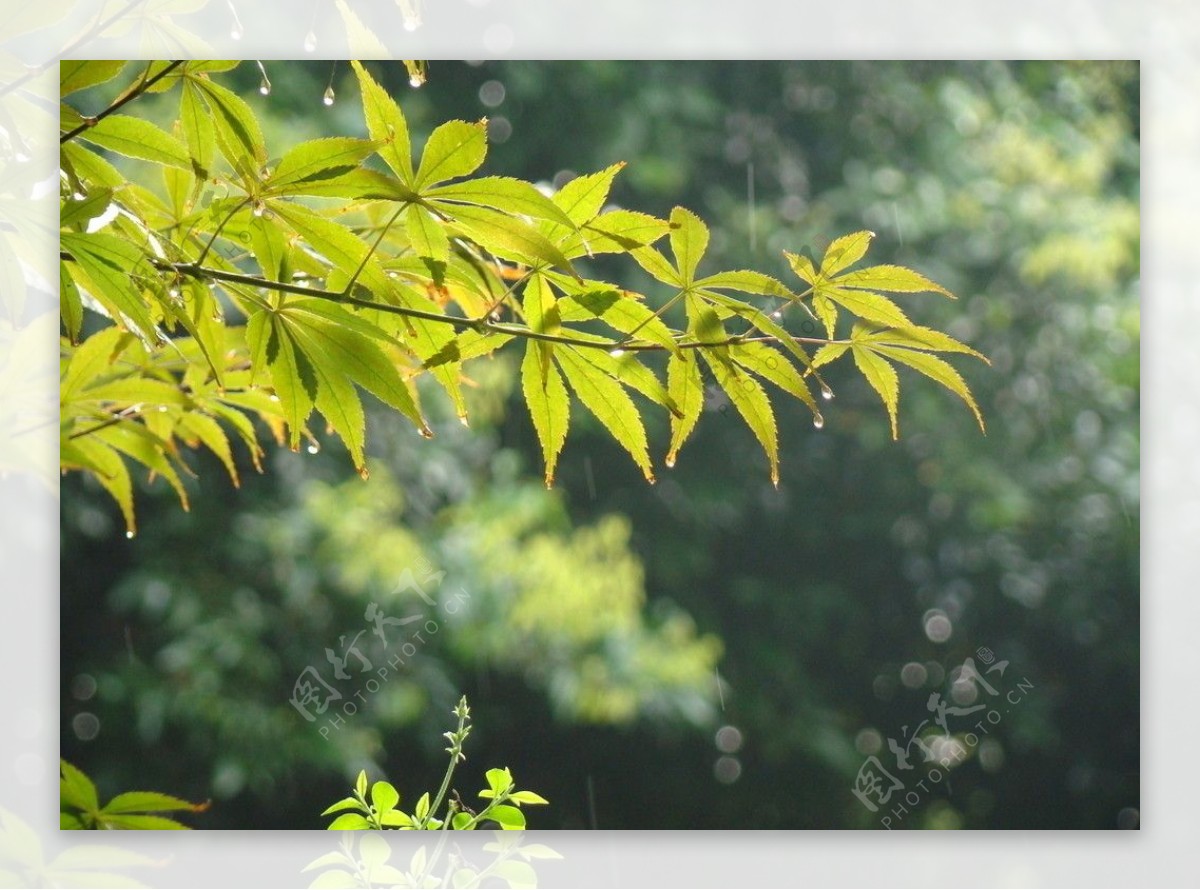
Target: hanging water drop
point(314, 447)
point(616, 352)
point(826, 392)
point(778, 313)
point(462, 418)
point(818, 421)
point(265, 87)
point(310, 41)
point(129, 534)
point(670, 461)
point(329, 96)
point(416, 81)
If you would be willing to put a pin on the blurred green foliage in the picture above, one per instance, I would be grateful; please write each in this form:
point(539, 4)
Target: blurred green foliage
point(589, 645)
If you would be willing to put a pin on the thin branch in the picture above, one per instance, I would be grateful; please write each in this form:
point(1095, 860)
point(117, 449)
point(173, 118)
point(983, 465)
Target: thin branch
point(90, 122)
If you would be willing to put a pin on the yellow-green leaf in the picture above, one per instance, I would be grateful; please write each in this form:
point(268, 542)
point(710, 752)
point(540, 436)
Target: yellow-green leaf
point(109, 267)
point(584, 196)
point(507, 237)
point(751, 402)
point(686, 388)
point(826, 310)
point(456, 148)
point(386, 124)
point(611, 405)
point(195, 427)
point(845, 252)
point(626, 368)
point(548, 403)
point(802, 266)
point(75, 75)
point(501, 193)
point(883, 379)
point(237, 130)
point(867, 305)
point(747, 282)
point(318, 159)
point(656, 264)
point(916, 337)
point(198, 130)
point(617, 231)
point(291, 374)
point(896, 279)
point(426, 234)
point(689, 241)
point(770, 364)
point(336, 397)
point(938, 370)
point(623, 313)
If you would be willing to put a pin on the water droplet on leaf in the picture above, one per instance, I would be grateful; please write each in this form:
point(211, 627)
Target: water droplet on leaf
point(778, 313)
point(416, 81)
point(617, 352)
point(259, 209)
point(818, 421)
point(314, 448)
point(826, 392)
point(129, 534)
point(670, 460)
point(329, 96)
point(265, 87)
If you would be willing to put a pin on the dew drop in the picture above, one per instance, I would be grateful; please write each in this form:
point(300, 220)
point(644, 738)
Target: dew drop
point(818, 421)
point(670, 461)
point(265, 87)
point(652, 480)
point(416, 81)
point(310, 41)
point(778, 313)
point(616, 353)
point(329, 96)
point(826, 392)
point(129, 534)
point(259, 209)
point(463, 420)
point(314, 448)
point(364, 473)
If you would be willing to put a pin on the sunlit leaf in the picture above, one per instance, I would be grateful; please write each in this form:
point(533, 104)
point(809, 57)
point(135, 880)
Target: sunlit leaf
point(501, 193)
point(751, 402)
point(75, 75)
point(386, 124)
point(883, 379)
point(867, 305)
point(938, 370)
point(426, 234)
point(611, 405)
point(686, 388)
point(689, 241)
point(891, 278)
point(319, 159)
point(548, 404)
point(456, 148)
point(137, 138)
point(845, 252)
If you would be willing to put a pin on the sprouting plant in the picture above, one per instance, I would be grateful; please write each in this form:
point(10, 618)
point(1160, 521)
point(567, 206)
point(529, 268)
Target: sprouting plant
point(377, 805)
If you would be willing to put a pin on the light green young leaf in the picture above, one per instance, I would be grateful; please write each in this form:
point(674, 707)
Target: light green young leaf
point(845, 252)
point(319, 159)
point(611, 405)
point(94, 203)
point(686, 388)
point(360, 783)
point(468, 345)
point(150, 450)
point(335, 242)
point(386, 124)
point(689, 241)
point(422, 808)
point(137, 138)
point(384, 796)
point(349, 822)
point(891, 278)
point(883, 379)
point(75, 75)
point(198, 130)
point(750, 400)
point(826, 310)
point(292, 374)
point(527, 797)
point(456, 148)
point(548, 403)
point(346, 803)
point(501, 193)
point(70, 302)
point(510, 818)
point(937, 370)
point(828, 353)
point(396, 819)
